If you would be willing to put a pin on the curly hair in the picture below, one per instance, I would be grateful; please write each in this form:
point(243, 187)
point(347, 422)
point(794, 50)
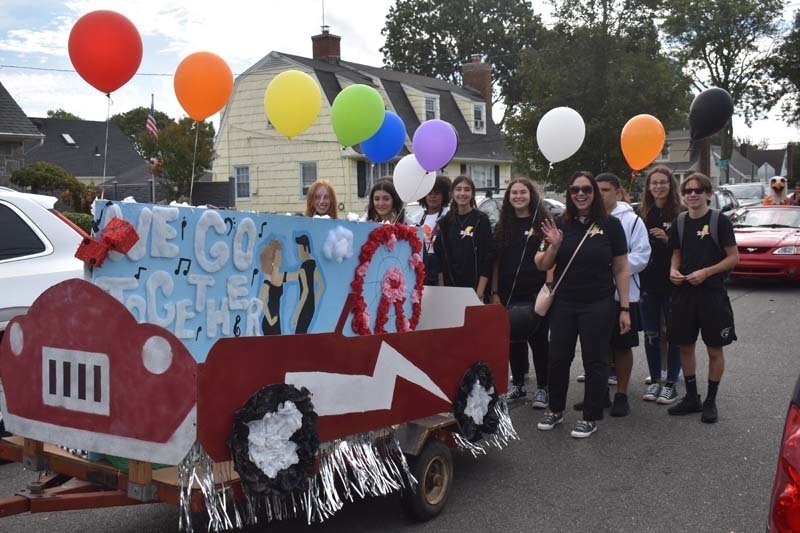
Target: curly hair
point(267, 256)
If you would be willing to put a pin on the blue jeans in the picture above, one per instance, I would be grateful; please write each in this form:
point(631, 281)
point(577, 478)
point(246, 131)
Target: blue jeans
point(654, 307)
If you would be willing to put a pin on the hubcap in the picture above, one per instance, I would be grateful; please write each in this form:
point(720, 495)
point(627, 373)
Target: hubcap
point(437, 478)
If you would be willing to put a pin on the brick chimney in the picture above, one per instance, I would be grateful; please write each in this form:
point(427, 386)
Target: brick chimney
point(478, 75)
point(326, 46)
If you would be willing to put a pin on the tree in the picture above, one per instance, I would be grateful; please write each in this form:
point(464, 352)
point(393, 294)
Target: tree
point(784, 67)
point(174, 148)
point(721, 42)
point(603, 59)
point(434, 38)
point(132, 123)
point(60, 113)
point(42, 176)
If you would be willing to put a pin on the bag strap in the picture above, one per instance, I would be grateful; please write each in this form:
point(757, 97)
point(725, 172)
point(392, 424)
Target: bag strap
point(564, 273)
point(524, 249)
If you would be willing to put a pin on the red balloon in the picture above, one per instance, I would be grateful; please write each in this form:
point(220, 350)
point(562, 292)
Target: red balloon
point(106, 49)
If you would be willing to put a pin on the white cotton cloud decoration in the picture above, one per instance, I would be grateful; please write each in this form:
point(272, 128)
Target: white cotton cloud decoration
point(478, 402)
point(269, 445)
point(339, 244)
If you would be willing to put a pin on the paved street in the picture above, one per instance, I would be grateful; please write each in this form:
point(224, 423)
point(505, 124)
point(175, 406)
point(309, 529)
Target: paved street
point(647, 472)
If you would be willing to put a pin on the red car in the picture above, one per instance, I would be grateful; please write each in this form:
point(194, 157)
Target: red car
point(784, 509)
point(768, 239)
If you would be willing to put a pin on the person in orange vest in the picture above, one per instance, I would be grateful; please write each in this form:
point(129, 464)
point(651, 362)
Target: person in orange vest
point(777, 195)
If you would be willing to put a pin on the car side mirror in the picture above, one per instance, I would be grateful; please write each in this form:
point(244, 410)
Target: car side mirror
point(727, 207)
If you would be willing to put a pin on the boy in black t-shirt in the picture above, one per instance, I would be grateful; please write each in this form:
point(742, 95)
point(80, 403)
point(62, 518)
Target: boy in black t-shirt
point(700, 302)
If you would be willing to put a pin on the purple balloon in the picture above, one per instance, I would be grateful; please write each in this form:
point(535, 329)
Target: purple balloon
point(435, 144)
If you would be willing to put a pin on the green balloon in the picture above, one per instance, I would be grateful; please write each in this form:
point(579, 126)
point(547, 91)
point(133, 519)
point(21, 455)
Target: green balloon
point(357, 114)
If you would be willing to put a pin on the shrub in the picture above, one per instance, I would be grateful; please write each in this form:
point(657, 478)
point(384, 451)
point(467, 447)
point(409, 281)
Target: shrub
point(82, 220)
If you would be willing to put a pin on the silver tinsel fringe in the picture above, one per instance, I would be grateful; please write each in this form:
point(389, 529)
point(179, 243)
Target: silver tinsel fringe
point(505, 433)
point(370, 464)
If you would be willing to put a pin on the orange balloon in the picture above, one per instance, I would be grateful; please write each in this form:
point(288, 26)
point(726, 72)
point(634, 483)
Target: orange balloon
point(642, 140)
point(203, 84)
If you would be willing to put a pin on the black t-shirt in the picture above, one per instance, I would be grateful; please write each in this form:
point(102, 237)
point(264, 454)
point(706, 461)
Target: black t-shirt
point(591, 276)
point(465, 248)
point(655, 278)
point(698, 249)
point(530, 279)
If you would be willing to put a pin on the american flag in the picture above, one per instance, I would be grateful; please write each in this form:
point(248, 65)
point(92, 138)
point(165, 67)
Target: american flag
point(151, 127)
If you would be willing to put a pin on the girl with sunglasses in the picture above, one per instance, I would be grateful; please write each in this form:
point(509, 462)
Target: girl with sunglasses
point(588, 249)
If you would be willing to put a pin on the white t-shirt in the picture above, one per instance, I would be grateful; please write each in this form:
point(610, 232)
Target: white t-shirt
point(428, 223)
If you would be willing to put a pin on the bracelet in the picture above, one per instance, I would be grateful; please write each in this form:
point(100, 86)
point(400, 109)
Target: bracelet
point(495, 293)
point(624, 309)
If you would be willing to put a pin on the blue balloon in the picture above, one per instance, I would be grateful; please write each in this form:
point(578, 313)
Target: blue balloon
point(388, 141)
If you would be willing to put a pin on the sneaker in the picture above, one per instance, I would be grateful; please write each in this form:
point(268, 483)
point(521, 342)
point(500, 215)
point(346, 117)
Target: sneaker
point(550, 421)
point(581, 378)
point(578, 406)
point(686, 406)
point(540, 399)
point(648, 380)
point(709, 415)
point(652, 392)
point(621, 406)
point(583, 429)
point(668, 395)
point(516, 392)
point(612, 379)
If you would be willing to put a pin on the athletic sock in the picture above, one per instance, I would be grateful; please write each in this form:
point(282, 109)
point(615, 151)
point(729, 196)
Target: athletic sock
point(713, 386)
point(691, 386)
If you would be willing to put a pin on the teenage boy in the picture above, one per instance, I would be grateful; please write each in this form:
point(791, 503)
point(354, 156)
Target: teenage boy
point(703, 249)
point(638, 256)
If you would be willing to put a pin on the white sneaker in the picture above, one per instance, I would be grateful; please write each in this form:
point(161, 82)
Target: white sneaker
point(581, 378)
point(540, 399)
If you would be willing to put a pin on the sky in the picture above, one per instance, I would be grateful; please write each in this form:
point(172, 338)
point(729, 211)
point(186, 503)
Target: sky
point(35, 36)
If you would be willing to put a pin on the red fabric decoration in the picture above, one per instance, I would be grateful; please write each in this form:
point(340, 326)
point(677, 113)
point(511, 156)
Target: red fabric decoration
point(92, 251)
point(120, 235)
point(388, 235)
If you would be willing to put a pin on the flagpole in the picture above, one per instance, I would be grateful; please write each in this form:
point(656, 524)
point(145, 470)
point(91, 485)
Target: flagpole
point(152, 173)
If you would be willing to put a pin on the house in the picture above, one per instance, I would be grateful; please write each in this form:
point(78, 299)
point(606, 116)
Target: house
point(768, 163)
point(272, 173)
point(15, 130)
point(683, 159)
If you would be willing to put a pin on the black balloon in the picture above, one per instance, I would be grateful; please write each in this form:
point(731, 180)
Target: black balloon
point(709, 112)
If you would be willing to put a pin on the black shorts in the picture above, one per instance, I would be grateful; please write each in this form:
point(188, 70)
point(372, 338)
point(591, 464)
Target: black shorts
point(630, 339)
point(697, 309)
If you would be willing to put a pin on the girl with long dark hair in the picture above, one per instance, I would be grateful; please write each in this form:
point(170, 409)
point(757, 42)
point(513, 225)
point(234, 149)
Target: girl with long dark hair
point(434, 206)
point(515, 278)
point(385, 204)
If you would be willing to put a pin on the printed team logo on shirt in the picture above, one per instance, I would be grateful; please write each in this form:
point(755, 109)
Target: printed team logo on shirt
point(703, 232)
point(531, 232)
point(667, 225)
point(595, 231)
point(467, 232)
point(725, 333)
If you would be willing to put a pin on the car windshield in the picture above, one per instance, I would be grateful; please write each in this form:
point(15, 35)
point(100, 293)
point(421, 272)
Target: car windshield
point(768, 217)
point(754, 190)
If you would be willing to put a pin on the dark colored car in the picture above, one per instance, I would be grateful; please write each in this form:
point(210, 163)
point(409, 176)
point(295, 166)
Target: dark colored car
point(784, 508)
point(747, 193)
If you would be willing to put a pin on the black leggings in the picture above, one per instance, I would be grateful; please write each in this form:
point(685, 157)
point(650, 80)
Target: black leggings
point(518, 356)
point(592, 322)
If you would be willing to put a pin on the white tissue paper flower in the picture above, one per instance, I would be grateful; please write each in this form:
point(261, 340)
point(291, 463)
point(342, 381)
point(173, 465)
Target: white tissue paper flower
point(478, 402)
point(339, 244)
point(269, 445)
point(129, 200)
point(353, 217)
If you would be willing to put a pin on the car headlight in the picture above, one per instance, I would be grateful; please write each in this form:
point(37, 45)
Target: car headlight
point(787, 250)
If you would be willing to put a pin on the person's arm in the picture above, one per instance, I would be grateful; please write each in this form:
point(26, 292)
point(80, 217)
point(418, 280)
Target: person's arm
point(546, 260)
point(622, 275)
point(481, 289)
point(438, 249)
point(320, 287)
point(639, 255)
point(495, 281)
point(485, 253)
point(675, 275)
point(731, 260)
point(303, 296)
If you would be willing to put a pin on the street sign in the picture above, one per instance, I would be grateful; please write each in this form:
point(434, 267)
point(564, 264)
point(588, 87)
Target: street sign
point(722, 163)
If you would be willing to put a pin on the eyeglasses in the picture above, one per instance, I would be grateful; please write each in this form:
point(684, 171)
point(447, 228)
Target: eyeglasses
point(585, 189)
point(689, 190)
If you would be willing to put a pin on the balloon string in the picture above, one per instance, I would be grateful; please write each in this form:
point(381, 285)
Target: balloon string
point(630, 187)
point(194, 158)
point(105, 148)
point(549, 168)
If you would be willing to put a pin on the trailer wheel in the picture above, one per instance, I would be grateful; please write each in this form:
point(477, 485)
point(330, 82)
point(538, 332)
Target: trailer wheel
point(433, 470)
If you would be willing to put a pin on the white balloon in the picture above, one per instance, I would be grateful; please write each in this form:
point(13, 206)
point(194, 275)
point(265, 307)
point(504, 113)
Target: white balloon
point(411, 181)
point(560, 133)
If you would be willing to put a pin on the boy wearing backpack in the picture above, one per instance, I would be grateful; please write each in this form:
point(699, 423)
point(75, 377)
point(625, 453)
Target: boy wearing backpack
point(703, 250)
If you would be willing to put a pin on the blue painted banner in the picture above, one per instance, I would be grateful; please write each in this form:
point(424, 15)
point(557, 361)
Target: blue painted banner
point(206, 274)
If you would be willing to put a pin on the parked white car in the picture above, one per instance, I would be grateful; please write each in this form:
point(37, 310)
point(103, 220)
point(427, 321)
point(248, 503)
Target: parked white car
point(37, 250)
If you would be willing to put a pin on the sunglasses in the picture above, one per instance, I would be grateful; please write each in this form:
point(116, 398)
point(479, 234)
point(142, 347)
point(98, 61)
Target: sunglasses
point(689, 190)
point(585, 189)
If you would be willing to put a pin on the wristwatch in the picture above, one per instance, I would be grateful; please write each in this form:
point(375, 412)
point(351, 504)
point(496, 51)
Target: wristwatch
point(624, 309)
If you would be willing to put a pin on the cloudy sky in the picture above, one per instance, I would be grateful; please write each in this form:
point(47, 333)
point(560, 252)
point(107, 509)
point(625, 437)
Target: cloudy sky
point(35, 35)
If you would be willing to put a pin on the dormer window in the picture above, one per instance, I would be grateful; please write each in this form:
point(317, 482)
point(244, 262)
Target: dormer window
point(479, 118)
point(431, 107)
point(664, 155)
point(68, 139)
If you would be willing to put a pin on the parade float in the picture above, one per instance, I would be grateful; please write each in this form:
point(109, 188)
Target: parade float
point(252, 366)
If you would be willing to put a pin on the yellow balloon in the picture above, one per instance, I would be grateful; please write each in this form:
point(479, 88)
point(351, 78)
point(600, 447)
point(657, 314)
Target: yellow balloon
point(292, 102)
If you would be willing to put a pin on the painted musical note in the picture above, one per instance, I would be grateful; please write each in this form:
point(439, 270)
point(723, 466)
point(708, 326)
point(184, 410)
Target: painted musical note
point(199, 329)
point(139, 272)
point(255, 271)
point(236, 330)
point(183, 226)
point(188, 265)
point(261, 231)
point(96, 223)
point(229, 220)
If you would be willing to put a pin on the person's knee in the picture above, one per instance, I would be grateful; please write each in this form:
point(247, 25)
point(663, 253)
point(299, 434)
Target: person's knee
point(652, 337)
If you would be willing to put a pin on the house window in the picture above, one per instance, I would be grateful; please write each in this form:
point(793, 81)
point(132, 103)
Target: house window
point(242, 176)
point(431, 107)
point(381, 170)
point(308, 175)
point(479, 122)
point(664, 155)
point(482, 175)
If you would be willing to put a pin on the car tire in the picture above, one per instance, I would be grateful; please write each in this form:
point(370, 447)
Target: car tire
point(433, 470)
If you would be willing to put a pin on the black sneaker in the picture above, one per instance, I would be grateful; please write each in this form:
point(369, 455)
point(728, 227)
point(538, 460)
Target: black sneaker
point(709, 415)
point(516, 392)
point(621, 406)
point(584, 429)
point(550, 420)
point(686, 406)
point(578, 406)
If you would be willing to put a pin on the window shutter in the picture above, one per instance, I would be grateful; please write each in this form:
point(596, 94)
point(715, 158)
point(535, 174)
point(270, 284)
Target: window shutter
point(463, 169)
point(497, 177)
point(361, 178)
